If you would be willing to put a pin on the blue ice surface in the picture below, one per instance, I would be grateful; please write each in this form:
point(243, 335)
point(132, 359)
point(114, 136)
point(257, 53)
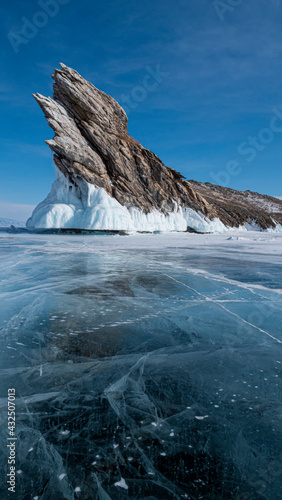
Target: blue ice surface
point(140, 372)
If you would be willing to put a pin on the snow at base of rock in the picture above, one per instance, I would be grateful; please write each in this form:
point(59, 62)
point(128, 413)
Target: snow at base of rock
point(86, 206)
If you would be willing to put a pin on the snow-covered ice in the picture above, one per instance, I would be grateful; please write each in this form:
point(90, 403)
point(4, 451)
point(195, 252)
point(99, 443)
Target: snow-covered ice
point(86, 206)
point(145, 366)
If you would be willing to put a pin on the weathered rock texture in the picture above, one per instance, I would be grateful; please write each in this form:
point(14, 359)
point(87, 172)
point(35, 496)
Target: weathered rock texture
point(92, 142)
point(235, 208)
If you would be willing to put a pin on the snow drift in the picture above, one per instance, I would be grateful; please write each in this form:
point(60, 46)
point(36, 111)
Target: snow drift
point(85, 206)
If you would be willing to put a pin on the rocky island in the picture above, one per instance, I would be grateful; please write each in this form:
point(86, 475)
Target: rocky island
point(106, 180)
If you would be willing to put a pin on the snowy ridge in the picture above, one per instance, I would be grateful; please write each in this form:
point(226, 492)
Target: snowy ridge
point(85, 206)
point(242, 208)
point(4, 222)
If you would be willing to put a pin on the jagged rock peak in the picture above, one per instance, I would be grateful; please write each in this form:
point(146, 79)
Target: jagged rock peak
point(92, 142)
point(108, 180)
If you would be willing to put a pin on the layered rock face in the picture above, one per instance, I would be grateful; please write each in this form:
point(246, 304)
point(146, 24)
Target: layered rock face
point(106, 179)
point(236, 208)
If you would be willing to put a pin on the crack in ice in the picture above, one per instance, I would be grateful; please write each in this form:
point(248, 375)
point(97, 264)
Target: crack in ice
point(225, 308)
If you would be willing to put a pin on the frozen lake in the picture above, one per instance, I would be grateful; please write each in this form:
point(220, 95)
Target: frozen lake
point(145, 367)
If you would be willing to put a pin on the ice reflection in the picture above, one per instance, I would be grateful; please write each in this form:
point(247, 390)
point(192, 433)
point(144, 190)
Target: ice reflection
point(141, 374)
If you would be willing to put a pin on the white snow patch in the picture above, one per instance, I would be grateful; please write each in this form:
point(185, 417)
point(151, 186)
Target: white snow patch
point(86, 206)
point(122, 484)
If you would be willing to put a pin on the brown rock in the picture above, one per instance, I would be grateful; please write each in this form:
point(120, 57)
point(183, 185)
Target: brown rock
point(92, 142)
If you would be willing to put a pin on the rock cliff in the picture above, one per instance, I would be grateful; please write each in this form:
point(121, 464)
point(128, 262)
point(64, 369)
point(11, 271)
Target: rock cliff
point(108, 180)
point(236, 208)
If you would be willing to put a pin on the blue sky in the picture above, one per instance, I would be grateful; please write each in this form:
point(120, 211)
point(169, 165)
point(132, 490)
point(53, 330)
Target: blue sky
point(217, 89)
